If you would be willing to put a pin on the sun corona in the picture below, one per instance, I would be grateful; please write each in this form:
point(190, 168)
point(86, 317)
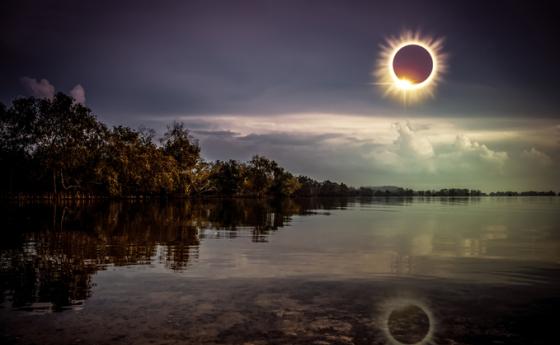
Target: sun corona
point(410, 66)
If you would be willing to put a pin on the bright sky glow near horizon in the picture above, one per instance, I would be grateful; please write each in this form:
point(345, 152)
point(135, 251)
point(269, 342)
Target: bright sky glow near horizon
point(293, 80)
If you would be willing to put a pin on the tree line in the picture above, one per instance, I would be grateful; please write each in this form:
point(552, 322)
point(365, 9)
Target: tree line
point(58, 147)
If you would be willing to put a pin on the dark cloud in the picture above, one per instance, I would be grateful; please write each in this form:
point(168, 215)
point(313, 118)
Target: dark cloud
point(254, 57)
point(287, 139)
point(219, 134)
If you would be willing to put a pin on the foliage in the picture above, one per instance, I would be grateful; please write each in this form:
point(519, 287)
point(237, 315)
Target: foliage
point(227, 177)
point(54, 145)
point(57, 145)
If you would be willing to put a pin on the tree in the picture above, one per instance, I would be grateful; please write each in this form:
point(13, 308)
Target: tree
point(307, 186)
point(132, 164)
point(58, 133)
point(227, 177)
point(283, 183)
point(259, 175)
point(17, 137)
point(198, 179)
point(179, 144)
point(67, 135)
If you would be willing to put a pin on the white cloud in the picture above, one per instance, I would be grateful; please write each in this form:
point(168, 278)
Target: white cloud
point(466, 159)
point(413, 153)
point(79, 94)
point(535, 156)
point(370, 150)
point(411, 143)
point(465, 145)
point(39, 89)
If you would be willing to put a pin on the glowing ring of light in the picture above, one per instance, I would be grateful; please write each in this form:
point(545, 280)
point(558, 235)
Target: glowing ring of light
point(413, 86)
point(392, 85)
point(390, 305)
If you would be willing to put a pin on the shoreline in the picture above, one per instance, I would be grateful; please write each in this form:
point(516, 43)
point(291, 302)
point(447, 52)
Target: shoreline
point(88, 197)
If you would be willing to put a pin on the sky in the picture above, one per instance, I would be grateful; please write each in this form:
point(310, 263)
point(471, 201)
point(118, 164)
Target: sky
point(292, 80)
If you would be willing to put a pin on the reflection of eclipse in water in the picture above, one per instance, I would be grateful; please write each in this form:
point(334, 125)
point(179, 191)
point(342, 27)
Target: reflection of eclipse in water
point(407, 322)
point(410, 66)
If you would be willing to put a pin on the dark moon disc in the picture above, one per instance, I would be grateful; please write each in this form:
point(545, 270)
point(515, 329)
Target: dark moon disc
point(413, 63)
point(409, 324)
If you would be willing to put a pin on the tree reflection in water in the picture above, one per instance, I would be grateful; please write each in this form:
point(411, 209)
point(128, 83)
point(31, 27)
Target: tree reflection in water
point(49, 252)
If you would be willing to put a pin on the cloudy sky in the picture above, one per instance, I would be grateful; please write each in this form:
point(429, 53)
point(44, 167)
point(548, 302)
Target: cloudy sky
point(293, 80)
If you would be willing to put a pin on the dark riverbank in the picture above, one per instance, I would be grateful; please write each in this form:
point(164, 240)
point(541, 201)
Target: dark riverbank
point(421, 194)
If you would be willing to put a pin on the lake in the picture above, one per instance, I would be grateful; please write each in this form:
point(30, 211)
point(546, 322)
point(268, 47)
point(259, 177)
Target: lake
point(311, 271)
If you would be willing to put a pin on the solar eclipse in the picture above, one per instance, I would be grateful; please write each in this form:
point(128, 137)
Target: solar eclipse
point(413, 63)
point(410, 67)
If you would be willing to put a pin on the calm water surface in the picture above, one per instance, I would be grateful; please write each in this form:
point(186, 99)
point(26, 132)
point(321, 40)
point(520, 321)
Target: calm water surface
point(325, 271)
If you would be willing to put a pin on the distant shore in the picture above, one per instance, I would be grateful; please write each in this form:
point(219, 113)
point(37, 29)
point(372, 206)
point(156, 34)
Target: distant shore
point(85, 197)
